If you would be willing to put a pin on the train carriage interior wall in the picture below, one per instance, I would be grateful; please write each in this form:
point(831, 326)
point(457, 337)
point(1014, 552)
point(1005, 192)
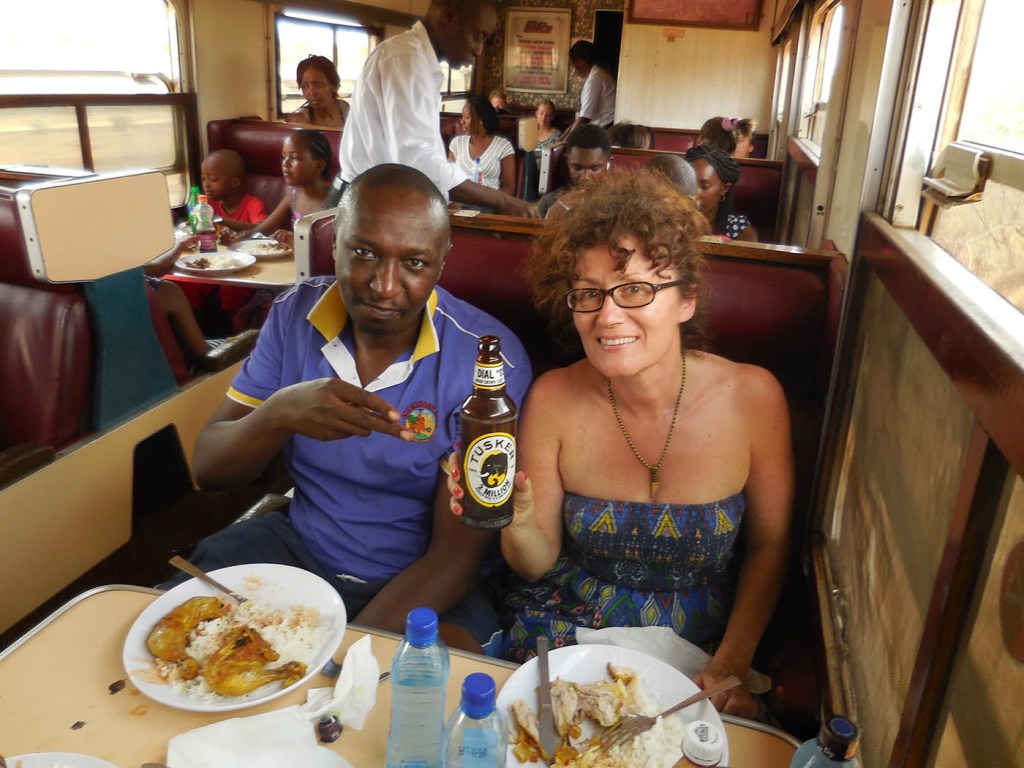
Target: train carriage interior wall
point(886, 294)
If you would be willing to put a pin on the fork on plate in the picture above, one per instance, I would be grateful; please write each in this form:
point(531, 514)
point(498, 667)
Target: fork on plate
point(628, 728)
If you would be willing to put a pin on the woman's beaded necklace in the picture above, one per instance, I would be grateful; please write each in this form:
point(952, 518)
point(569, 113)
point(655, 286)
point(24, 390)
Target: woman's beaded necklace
point(654, 469)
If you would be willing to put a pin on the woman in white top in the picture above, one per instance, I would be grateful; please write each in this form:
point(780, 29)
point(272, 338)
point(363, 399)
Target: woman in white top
point(487, 158)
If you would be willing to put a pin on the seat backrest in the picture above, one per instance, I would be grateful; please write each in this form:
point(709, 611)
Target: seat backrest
point(259, 143)
point(45, 364)
point(681, 139)
point(314, 245)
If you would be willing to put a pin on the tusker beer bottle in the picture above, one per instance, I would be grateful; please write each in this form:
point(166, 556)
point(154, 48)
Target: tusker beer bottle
point(488, 418)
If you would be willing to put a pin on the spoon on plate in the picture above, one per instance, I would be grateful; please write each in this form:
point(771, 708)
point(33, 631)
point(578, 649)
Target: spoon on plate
point(184, 565)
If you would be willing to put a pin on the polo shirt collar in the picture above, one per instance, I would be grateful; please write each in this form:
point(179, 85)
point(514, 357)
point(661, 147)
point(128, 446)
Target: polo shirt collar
point(329, 317)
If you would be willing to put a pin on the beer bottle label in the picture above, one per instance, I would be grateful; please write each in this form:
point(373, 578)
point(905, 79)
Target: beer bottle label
point(490, 468)
point(489, 375)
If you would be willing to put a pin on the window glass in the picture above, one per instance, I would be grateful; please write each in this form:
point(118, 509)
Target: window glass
point(457, 80)
point(823, 58)
point(353, 47)
point(993, 111)
point(40, 136)
point(106, 46)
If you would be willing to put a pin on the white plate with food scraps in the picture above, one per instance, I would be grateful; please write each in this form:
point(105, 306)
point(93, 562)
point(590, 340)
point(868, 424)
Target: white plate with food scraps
point(216, 264)
point(262, 248)
point(299, 614)
point(662, 683)
point(56, 760)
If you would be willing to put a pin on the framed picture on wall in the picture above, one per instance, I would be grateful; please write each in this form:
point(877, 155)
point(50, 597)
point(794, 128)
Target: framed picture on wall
point(537, 49)
point(735, 14)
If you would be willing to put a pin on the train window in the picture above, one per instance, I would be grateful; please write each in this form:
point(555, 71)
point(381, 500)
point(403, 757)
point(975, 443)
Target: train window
point(993, 110)
point(984, 105)
point(80, 91)
point(299, 35)
point(67, 47)
point(823, 58)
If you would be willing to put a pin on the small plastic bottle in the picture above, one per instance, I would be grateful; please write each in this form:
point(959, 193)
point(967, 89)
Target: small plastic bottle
point(476, 735)
point(419, 675)
point(703, 746)
point(835, 745)
point(205, 227)
point(478, 175)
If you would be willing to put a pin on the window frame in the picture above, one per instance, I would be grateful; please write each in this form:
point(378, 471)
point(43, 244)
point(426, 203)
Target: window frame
point(375, 34)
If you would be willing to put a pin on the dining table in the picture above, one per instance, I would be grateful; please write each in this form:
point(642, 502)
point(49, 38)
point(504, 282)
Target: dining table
point(63, 688)
point(278, 272)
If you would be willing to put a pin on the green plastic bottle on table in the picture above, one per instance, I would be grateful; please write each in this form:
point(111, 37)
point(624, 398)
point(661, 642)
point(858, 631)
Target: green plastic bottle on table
point(193, 201)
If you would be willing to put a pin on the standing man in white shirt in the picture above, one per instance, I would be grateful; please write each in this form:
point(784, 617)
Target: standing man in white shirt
point(597, 99)
point(396, 106)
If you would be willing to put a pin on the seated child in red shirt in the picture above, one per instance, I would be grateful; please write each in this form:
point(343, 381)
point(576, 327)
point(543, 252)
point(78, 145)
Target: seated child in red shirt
point(224, 184)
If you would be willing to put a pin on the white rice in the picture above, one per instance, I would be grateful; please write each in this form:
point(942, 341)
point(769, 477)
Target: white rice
point(660, 747)
point(295, 633)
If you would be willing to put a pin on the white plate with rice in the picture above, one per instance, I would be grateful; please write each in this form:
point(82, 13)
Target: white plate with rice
point(298, 613)
point(262, 248)
point(216, 264)
point(56, 760)
point(662, 684)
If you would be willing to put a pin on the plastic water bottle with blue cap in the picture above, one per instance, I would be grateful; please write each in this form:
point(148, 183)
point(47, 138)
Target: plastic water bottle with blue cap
point(835, 746)
point(476, 736)
point(419, 676)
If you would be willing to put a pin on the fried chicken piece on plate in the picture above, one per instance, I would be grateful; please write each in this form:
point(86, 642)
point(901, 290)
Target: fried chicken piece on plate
point(169, 637)
point(238, 666)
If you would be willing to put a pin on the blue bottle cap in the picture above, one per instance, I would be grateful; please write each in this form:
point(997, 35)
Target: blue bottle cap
point(421, 626)
point(839, 738)
point(478, 695)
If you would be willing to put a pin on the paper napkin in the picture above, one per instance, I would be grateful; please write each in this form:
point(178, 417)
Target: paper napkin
point(664, 644)
point(355, 692)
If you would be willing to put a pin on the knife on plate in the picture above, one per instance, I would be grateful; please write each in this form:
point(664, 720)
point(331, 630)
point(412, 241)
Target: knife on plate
point(546, 724)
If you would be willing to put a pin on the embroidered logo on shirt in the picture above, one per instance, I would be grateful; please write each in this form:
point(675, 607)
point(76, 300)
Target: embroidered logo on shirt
point(421, 419)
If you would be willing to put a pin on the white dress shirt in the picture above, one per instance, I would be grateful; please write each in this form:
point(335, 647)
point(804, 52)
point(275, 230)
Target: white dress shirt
point(597, 100)
point(396, 111)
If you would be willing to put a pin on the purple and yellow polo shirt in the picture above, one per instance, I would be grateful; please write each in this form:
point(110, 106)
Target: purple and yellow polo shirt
point(364, 505)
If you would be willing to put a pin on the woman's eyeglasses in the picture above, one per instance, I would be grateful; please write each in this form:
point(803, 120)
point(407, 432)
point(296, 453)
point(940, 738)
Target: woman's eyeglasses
point(627, 295)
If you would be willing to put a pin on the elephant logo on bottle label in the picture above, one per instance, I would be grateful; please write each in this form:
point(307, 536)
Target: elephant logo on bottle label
point(490, 468)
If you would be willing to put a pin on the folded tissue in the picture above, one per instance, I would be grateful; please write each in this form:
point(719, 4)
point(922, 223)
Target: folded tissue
point(286, 736)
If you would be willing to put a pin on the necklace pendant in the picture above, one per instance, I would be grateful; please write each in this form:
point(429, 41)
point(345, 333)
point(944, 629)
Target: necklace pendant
point(654, 483)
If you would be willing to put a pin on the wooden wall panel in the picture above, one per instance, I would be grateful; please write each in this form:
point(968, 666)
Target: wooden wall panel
point(890, 512)
point(982, 724)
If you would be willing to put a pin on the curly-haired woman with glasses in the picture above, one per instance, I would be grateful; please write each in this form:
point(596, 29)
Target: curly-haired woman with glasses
point(641, 464)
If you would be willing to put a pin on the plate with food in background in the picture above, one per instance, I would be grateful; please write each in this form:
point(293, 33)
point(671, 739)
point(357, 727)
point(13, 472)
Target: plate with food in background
point(216, 264)
point(56, 760)
point(595, 683)
point(262, 248)
point(198, 650)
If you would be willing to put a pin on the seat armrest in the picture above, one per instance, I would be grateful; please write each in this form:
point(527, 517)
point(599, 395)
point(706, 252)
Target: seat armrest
point(230, 352)
point(271, 502)
point(19, 460)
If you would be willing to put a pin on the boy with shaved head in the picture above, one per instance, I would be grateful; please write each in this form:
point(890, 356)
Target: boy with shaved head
point(224, 184)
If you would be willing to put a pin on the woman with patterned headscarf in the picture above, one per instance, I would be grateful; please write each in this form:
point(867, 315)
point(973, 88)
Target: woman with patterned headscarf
point(717, 172)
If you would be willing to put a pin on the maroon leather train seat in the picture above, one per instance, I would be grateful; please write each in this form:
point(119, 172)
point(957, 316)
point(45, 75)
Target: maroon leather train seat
point(259, 143)
point(681, 139)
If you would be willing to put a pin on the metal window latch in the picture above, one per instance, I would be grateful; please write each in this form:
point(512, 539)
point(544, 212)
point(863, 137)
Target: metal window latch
point(958, 175)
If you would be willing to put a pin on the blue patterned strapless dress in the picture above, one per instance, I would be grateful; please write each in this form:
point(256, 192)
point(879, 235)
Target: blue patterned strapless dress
point(632, 564)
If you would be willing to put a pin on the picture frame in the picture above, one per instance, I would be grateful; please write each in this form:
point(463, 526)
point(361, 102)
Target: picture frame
point(735, 14)
point(537, 49)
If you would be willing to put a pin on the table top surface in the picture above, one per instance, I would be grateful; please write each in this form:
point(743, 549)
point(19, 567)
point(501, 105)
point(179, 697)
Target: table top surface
point(56, 693)
point(265, 273)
